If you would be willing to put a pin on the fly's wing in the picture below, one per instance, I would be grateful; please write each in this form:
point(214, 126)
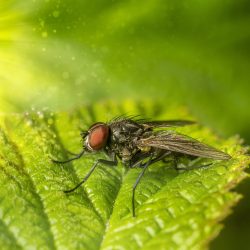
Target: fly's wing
point(176, 142)
point(167, 123)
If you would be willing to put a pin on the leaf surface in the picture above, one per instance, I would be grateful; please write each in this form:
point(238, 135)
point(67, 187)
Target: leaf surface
point(174, 210)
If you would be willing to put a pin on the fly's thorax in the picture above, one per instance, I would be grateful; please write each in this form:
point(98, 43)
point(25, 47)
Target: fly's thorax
point(125, 131)
point(121, 140)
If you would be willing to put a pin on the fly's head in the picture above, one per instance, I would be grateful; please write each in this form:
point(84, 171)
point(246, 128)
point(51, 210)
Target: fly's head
point(96, 137)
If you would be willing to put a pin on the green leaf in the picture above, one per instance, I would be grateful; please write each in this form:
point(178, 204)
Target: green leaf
point(174, 210)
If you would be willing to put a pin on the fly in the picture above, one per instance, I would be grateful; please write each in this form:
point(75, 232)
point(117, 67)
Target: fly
point(138, 144)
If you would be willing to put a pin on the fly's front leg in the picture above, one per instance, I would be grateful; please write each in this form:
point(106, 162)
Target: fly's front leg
point(112, 162)
point(77, 156)
point(71, 153)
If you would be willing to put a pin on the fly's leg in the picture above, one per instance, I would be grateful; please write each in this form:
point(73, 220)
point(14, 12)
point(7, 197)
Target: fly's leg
point(166, 161)
point(176, 162)
point(195, 164)
point(139, 164)
point(200, 166)
point(112, 162)
point(157, 158)
point(191, 166)
point(77, 156)
point(145, 166)
point(161, 157)
point(194, 167)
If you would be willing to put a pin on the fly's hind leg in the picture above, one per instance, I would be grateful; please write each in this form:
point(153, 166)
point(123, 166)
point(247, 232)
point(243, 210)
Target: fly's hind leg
point(194, 160)
point(200, 166)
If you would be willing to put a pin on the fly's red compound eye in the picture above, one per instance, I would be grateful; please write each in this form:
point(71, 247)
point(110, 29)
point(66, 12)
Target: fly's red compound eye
point(98, 135)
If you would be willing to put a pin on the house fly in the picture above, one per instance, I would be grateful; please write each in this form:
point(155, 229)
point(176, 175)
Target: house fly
point(139, 143)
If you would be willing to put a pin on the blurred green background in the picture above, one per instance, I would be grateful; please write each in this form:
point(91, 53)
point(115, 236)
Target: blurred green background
point(59, 54)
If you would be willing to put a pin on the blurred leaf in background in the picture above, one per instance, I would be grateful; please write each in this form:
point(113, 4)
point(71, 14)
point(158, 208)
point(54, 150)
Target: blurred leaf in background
point(62, 54)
